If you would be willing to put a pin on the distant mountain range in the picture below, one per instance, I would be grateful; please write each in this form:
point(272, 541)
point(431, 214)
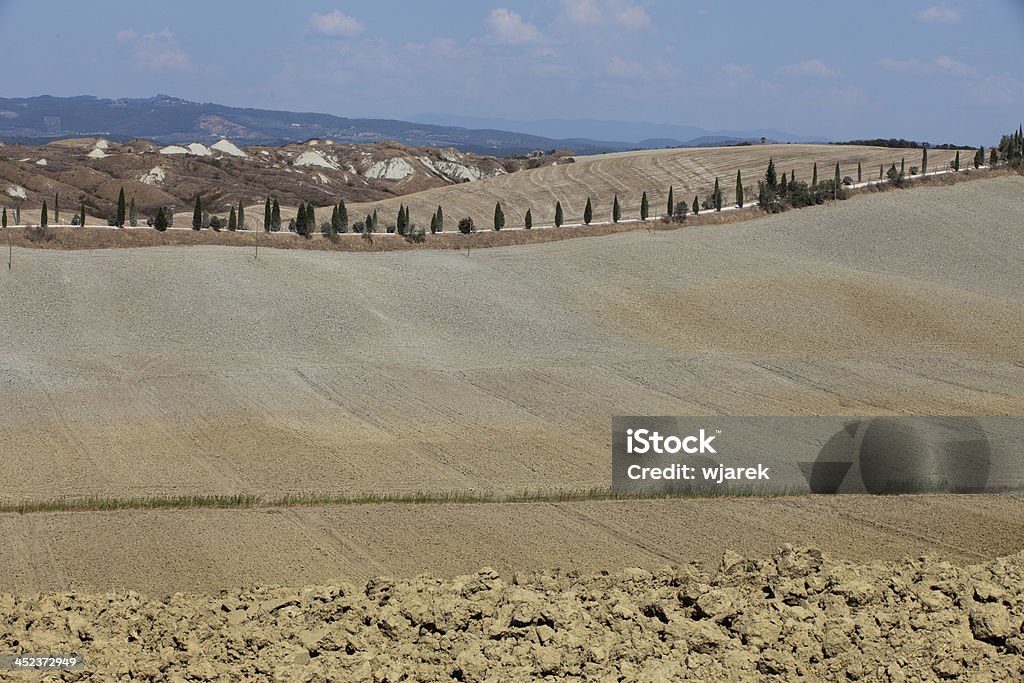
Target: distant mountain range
point(169, 120)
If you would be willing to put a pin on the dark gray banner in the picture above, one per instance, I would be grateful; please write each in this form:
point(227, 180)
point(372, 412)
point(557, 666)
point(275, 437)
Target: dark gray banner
point(882, 455)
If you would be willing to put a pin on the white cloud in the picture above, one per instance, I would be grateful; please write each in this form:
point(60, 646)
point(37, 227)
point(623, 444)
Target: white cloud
point(810, 67)
point(582, 12)
point(939, 14)
point(508, 27)
point(633, 16)
point(999, 90)
point(157, 51)
point(336, 24)
point(942, 65)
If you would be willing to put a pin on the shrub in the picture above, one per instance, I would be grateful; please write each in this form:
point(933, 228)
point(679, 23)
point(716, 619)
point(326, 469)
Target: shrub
point(466, 225)
point(680, 213)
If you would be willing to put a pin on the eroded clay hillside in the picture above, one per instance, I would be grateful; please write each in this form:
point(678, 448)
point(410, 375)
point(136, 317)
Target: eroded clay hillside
point(94, 170)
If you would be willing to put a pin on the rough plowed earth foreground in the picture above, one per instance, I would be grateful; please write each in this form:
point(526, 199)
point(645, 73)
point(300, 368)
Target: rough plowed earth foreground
point(795, 616)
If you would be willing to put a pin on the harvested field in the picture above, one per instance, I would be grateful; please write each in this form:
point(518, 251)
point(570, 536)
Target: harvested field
point(630, 174)
point(136, 373)
point(795, 615)
point(199, 371)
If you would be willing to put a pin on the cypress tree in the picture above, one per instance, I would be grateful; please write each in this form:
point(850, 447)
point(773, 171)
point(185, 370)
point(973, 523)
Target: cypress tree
point(17, 215)
point(616, 210)
point(241, 215)
point(232, 220)
point(197, 214)
point(529, 219)
point(979, 158)
point(499, 217)
point(880, 172)
point(81, 215)
point(792, 176)
point(3, 221)
point(160, 222)
point(588, 212)
point(814, 178)
point(376, 221)
point(43, 220)
point(739, 190)
point(993, 157)
point(696, 205)
point(335, 221)
point(120, 209)
point(718, 196)
point(836, 182)
point(783, 186)
point(924, 161)
point(300, 219)
point(771, 177)
point(860, 174)
point(399, 222)
point(342, 216)
point(903, 166)
point(275, 217)
point(268, 216)
point(133, 214)
point(671, 202)
point(558, 214)
point(56, 208)
point(644, 207)
point(956, 162)
point(310, 220)
point(433, 223)
point(440, 219)
point(368, 224)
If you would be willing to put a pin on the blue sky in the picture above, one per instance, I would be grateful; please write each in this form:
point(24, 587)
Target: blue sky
point(938, 71)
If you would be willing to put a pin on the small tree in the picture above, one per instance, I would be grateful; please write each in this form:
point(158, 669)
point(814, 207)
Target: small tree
point(232, 219)
point(215, 223)
point(696, 205)
point(342, 216)
point(43, 219)
point(133, 214)
point(588, 212)
point(529, 219)
point(644, 207)
point(739, 189)
point(979, 158)
point(924, 161)
point(160, 223)
point(671, 201)
point(616, 210)
point(120, 209)
point(466, 225)
point(499, 217)
point(956, 161)
point(679, 215)
point(718, 196)
point(268, 216)
point(275, 217)
point(197, 214)
point(558, 214)
point(335, 222)
point(993, 157)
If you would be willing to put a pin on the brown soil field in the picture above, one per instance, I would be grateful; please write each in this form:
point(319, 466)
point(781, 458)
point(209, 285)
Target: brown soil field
point(171, 371)
point(134, 373)
point(797, 614)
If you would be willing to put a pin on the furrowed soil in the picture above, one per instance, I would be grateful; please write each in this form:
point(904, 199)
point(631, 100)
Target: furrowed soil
point(165, 372)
